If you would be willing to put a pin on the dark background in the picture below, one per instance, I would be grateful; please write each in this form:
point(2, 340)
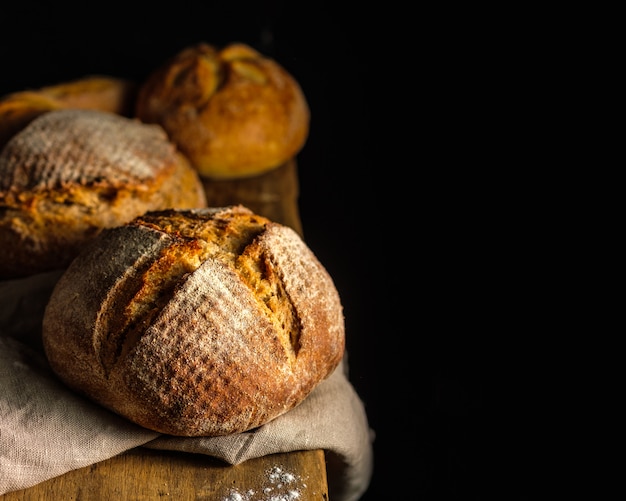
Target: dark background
point(385, 201)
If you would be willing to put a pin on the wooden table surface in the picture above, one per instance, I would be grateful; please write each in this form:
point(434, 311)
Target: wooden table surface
point(145, 474)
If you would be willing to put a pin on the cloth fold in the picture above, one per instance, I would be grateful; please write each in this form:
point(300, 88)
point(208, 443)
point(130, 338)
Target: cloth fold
point(47, 430)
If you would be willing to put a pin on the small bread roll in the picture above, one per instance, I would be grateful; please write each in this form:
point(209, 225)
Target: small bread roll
point(195, 323)
point(233, 112)
point(70, 173)
point(97, 92)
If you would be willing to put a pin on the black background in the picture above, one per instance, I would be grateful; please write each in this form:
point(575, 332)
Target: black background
point(402, 247)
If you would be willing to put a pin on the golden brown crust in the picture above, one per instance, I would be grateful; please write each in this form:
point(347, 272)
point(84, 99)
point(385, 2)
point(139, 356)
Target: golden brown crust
point(195, 323)
point(233, 112)
point(70, 173)
point(97, 92)
point(19, 109)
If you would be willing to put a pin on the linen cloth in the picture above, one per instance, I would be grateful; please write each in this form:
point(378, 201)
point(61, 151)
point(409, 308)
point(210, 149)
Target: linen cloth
point(47, 430)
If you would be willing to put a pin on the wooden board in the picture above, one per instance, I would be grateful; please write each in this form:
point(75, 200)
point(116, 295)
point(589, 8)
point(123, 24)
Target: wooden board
point(273, 194)
point(145, 474)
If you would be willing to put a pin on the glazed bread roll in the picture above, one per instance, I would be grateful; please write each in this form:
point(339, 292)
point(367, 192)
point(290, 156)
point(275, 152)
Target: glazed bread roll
point(233, 112)
point(70, 173)
point(195, 323)
point(97, 92)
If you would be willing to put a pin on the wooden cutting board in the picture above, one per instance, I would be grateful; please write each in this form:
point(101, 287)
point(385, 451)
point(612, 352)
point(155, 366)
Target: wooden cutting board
point(145, 474)
point(273, 194)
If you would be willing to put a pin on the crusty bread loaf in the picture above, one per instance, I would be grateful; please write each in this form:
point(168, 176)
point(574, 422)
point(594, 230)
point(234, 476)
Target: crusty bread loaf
point(195, 323)
point(97, 92)
point(234, 112)
point(19, 109)
point(70, 172)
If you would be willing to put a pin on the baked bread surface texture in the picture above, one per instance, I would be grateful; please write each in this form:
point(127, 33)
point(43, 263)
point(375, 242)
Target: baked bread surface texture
point(234, 112)
point(96, 92)
point(70, 173)
point(195, 323)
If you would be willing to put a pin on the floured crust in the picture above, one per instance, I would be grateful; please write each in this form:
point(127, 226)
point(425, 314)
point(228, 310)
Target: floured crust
point(70, 173)
point(195, 323)
point(233, 112)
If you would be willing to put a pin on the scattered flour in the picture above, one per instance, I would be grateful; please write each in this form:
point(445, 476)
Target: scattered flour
point(281, 486)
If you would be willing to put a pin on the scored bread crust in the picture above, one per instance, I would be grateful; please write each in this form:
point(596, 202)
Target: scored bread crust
point(195, 323)
point(70, 173)
point(234, 112)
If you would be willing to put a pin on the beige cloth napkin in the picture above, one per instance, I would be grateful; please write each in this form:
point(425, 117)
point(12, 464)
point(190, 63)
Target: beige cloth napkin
point(47, 430)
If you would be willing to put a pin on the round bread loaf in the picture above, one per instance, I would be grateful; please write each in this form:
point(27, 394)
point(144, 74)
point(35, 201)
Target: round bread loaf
point(97, 92)
point(19, 109)
point(69, 173)
point(233, 112)
point(195, 323)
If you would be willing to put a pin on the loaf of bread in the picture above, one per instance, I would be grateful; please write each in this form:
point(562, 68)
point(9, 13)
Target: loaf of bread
point(95, 92)
point(234, 112)
point(195, 322)
point(70, 173)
